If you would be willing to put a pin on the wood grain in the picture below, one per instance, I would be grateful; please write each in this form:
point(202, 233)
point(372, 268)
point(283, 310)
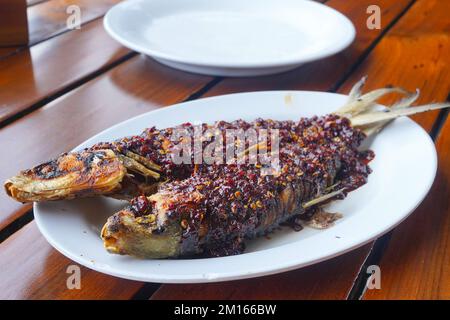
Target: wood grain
point(32, 269)
point(414, 54)
point(49, 67)
point(49, 18)
point(416, 264)
point(85, 111)
point(389, 63)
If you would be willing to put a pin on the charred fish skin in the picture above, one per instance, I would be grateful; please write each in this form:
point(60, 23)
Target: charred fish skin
point(220, 206)
point(108, 168)
point(122, 169)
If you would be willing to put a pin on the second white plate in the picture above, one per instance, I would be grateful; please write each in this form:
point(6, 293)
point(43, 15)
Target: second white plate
point(232, 37)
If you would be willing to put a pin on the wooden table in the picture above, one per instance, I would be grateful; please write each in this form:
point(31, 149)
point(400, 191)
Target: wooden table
point(70, 84)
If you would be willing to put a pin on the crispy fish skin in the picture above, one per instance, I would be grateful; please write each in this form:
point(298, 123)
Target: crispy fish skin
point(71, 175)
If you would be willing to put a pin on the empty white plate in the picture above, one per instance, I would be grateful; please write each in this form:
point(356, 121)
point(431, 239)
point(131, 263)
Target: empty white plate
point(232, 37)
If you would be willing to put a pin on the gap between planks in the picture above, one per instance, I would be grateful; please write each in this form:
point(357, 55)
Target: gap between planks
point(38, 9)
point(63, 91)
point(363, 57)
point(380, 245)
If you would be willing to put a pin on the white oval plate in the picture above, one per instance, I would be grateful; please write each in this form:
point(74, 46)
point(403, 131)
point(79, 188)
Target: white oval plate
point(232, 37)
point(403, 171)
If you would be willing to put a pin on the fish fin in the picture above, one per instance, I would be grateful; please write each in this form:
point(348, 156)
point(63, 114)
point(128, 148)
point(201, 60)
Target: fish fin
point(358, 103)
point(322, 198)
point(367, 119)
point(404, 103)
point(360, 108)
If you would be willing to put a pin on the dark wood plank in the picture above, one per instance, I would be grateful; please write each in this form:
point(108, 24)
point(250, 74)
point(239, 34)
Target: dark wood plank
point(416, 264)
point(41, 272)
point(49, 18)
point(414, 54)
point(7, 51)
point(13, 23)
point(51, 66)
point(388, 63)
